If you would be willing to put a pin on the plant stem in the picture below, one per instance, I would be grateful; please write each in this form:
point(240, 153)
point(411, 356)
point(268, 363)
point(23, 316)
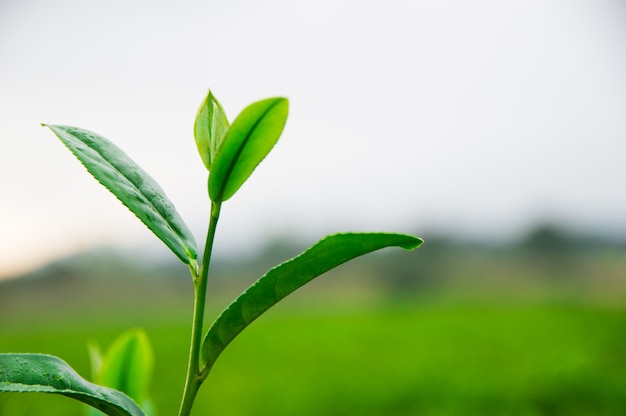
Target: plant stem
point(193, 380)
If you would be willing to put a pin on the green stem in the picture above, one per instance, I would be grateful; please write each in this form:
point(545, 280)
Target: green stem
point(193, 380)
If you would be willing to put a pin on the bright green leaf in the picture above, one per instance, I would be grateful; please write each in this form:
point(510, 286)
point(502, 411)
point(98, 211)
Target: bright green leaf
point(38, 373)
point(285, 278)
point(132, 186)
point(127, 366)
point(248, 140)
point(210, 128)
point(95, 359)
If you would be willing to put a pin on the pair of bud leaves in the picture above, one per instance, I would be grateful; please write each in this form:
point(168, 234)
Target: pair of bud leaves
point(231, 152)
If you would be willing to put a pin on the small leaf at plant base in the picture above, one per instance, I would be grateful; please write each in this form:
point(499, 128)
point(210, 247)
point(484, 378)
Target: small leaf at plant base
point(210, 128)
point(248, 140)
point(282, 280)
point(132, 186)
point(38, 373)
point(127, 366)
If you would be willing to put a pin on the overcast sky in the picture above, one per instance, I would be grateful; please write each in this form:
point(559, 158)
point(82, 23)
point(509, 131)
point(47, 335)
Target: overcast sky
point(476, 118)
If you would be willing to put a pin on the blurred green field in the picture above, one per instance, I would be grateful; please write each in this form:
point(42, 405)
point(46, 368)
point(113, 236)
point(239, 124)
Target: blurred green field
point(533, 329)
point(445, 356)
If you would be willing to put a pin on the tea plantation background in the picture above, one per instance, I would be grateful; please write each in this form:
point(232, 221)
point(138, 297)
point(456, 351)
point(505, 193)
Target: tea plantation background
point(535, 327)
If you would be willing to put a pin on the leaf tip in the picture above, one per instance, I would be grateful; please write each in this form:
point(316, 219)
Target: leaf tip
point(417, 242)
point(412, 242)
point(283, 101)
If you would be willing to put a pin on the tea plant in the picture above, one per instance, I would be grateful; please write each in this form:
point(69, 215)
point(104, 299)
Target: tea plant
point(230, 152)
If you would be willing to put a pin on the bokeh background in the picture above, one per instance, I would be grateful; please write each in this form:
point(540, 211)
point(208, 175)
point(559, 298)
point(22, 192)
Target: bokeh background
point(494, 130)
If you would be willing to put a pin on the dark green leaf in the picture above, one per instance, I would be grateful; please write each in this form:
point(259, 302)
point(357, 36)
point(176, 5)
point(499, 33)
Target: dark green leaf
point(37, 373)
point(248, 140)
point(280, 281)
point(132, 186)
point(210, 128)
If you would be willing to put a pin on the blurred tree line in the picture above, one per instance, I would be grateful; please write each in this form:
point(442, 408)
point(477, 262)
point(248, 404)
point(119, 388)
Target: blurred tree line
point(547, 257)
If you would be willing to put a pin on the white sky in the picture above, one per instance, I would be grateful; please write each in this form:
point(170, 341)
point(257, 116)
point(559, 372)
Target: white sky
point(474, 118)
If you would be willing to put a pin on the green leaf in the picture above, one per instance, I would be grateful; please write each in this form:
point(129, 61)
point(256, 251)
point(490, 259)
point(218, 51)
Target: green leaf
point(248, 140)
point(95, 359)
point(38, 373)
point(132, 186)
point(285, 278)
point(210, 128)
point(127, 366)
